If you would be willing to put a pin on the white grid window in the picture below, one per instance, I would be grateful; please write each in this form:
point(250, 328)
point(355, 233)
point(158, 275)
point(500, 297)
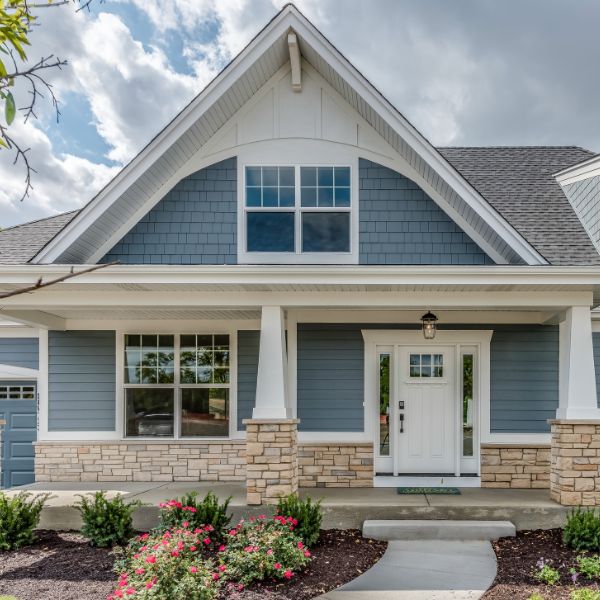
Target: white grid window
point(17, 392)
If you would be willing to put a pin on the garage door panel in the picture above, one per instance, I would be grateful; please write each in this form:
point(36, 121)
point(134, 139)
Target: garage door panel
point(18, 408)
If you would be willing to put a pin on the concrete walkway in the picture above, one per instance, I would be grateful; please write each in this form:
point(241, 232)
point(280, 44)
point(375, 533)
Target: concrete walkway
point(425, 570)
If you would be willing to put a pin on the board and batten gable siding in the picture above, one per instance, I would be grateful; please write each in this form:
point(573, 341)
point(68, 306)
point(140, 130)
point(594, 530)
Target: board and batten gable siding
point(81, 381)
point(195, 223)
point(20, 352)
point(523, 377)
point(399, 224)
point(247, 371)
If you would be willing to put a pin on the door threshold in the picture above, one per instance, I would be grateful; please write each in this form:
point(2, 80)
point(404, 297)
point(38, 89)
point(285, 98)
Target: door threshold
point(426, 481)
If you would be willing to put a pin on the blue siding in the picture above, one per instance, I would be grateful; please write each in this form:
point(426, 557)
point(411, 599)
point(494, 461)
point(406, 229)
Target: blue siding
point(596, 342)
point(195, 223)
point(20, 352)
point(524, 376)
point(81, 381)
point(330, 377)
point(401, 225)
point(248, 346)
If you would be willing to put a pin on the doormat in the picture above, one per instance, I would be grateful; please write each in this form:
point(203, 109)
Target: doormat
point(439, 491)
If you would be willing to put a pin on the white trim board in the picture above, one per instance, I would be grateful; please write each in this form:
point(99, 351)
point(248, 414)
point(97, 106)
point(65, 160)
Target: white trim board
point(8, 372)
point(310, 38)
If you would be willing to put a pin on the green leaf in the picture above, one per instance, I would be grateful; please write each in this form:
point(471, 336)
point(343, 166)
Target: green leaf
point(9, 108)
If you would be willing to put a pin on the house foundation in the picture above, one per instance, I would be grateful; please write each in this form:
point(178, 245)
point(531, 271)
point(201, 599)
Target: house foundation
point(521, 467)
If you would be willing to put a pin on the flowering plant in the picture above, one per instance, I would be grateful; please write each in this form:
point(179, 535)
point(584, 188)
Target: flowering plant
point(168, 565)
point(198, 513)
point(261, 548)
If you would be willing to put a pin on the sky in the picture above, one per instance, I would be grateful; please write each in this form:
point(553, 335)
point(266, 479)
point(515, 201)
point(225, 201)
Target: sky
point(464, 72)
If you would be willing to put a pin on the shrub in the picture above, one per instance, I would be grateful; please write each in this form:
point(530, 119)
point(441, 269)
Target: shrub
point(589, 566)
point(582, 530)
point(19, 516)
point(585, 594)
point(546, 574)
point(168, 565)
point(535, 596)
point(262, 548)
point(106, 522)
point(197, 513)
point(308, 514)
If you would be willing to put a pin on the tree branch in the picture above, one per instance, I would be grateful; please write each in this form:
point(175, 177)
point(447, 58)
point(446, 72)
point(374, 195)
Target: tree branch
point(40, 283)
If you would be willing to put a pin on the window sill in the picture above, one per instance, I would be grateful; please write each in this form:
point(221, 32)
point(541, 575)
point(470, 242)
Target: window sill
point(292, 258)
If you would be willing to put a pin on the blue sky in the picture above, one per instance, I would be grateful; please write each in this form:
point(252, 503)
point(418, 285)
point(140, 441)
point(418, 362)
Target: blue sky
point(474, 72)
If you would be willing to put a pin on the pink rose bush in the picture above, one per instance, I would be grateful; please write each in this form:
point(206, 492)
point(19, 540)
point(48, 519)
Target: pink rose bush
point(263, 548)
point(164, 566)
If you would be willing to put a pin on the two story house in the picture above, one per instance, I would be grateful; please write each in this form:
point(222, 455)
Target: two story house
point(301, 290)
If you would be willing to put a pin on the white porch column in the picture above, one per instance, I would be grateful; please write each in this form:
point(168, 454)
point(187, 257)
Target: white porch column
point(271, 383)
point(577, 378)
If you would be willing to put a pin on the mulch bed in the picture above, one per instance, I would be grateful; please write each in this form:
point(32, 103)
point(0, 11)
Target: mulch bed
point(63, 565)
point(517, 558)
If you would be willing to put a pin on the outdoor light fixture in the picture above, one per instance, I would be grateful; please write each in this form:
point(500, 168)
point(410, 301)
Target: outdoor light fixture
point(429, 320)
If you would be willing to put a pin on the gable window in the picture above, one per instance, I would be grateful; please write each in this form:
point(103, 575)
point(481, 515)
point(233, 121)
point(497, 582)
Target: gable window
point(298, 210)
point(177, 385)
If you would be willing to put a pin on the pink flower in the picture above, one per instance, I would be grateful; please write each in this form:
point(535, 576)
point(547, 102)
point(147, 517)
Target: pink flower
point(130, 591)
point(233, 532)
point(300, 545)
point(215, 576)
point(222, 568)
point(193, 548)
point(151, 559)
point(185, 524)
point(175, 553)
point(261, 517)
point(118, 593)
point(288, 574)
point(180, 545)
point(206, 541)
point(140, 571)
point(149, 585)
point(221, 548)
point(307, 554)
point(193, 569)
point(270, 552)
point(277, 566)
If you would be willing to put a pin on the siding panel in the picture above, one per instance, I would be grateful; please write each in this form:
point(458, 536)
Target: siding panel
point(596, 342)
point(248, 346)
point(195, 223)
point(399, 224)
point(81, 381)
point(20, 352)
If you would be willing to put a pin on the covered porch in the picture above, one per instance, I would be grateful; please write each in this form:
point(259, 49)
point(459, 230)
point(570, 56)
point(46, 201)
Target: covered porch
point(304, 401)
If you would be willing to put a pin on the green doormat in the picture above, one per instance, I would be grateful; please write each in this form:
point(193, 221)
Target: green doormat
point(439, 491)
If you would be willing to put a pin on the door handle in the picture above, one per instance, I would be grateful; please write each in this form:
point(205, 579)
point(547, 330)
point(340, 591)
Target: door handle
point(401, 422)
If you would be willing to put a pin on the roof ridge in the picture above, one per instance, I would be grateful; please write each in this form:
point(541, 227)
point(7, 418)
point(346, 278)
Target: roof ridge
point(40, 220)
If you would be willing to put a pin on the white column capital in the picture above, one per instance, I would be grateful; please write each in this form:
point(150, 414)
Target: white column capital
point(271, 382)
point(577, 377)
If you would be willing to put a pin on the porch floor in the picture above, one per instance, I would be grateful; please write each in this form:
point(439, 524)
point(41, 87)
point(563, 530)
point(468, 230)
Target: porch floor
point(343, 507)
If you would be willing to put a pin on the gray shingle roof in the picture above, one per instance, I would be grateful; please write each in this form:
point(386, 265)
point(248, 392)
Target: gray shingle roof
point(19, 244)
point(518, 182)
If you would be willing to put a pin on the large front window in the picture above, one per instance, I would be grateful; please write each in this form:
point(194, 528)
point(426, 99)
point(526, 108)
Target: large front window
point(298, 210)
point(177, 385)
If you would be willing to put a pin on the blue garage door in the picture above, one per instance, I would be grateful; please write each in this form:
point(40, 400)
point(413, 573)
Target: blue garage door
point(18, 407)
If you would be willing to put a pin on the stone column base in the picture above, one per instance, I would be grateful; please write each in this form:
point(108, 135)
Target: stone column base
point(271, 459)
point(575, 462)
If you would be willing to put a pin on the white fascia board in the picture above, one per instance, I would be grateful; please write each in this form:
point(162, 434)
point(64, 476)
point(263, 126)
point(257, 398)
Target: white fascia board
point(289, 17)
point(168, 136)
point(416, 140)
point(583, 170)
point(310, 274)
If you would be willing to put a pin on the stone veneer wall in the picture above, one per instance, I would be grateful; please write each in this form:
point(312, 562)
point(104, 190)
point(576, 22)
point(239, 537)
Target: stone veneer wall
point(141, 461)
point(272, 459)
point(575, 462)
point(526, 466)
point(335, 465)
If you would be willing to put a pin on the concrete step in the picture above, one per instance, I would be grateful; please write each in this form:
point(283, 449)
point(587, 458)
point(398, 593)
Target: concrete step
point(442, 529)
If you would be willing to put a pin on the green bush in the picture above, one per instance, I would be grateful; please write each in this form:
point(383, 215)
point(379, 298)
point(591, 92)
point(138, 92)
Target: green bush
point(165, 566)
point(585, 594)
point(196, 513)
point(106, 522)
point(546, 574)
point(19, 516)
point(308, 514)
point(582, 530)
point(535, 596)
point(589, 566)
point(262, 548)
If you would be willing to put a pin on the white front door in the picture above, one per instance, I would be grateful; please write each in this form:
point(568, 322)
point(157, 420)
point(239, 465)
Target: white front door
point(425, 400)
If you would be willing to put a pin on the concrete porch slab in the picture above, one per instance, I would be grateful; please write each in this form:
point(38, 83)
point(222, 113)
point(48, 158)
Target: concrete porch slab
point(342, 507)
